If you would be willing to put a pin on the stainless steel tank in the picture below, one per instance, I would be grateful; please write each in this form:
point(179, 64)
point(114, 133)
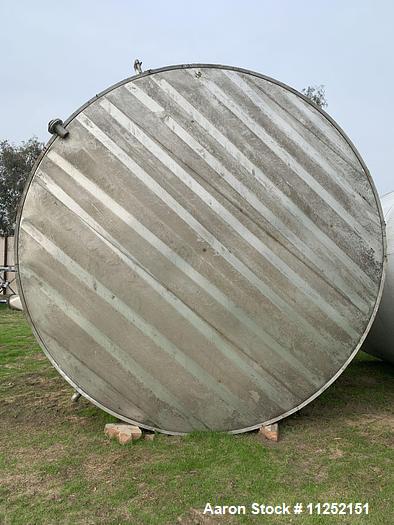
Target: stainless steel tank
point(200, 247)
point(380, 340)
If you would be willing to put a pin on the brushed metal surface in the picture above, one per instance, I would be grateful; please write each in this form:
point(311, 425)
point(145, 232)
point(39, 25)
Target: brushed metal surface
point(203, 251)
point(380, 340)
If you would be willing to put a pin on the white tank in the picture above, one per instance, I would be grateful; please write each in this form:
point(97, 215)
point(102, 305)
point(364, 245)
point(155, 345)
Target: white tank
point(380, 340)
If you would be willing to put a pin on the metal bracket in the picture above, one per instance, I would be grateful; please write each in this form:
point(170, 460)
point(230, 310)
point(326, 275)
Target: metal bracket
point(5, 284)
point(14, 302)
point(137, 66)
point(55, 127)
point(75, 397)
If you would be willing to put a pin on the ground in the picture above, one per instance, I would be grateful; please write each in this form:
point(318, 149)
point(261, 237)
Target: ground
point(57, 467)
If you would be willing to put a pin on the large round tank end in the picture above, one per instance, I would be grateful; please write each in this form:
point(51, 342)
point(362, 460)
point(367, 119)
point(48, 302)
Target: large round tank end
point(200, 248)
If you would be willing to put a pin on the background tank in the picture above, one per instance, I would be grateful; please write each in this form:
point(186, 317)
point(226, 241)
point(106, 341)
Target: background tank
point(203, 250)
point(380, 340)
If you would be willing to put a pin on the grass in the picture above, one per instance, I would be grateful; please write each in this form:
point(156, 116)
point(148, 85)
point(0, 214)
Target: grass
point(57, 467)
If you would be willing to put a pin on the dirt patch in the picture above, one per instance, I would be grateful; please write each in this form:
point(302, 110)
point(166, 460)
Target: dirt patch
point(385, 421)
point(336, 454)
point(35, 398)
point(22, 485)
point(30, 456)
point(378, 428)
point(196, 517)
point(100, 466)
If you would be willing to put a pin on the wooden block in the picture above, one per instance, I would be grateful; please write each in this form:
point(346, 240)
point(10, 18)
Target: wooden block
point(123, 433)
point(125, 437)
point(270, 432)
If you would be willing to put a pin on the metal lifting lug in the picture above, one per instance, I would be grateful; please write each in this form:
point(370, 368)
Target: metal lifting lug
point(137, 66)
point(55, 126)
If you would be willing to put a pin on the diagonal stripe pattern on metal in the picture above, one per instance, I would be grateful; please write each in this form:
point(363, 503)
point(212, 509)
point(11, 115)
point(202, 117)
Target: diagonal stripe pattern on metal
point(204, 250)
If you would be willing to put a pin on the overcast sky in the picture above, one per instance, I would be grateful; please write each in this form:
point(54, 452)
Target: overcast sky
point(57, 55)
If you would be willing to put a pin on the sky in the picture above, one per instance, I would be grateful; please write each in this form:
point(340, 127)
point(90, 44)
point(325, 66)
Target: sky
point(57, 55)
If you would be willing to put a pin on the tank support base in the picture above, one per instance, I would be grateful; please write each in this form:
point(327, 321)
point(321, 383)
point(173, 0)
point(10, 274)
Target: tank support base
point(270, 432)
point(75, 397)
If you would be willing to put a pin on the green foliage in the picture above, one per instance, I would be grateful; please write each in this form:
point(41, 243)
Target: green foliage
point(317, 94)
point(16, 162)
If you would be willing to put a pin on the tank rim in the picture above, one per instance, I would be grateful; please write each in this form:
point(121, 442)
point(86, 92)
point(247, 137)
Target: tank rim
point(278, 83)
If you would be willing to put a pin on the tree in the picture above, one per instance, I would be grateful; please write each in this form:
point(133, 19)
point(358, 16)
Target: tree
point(16, 162)
point(317, 94)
